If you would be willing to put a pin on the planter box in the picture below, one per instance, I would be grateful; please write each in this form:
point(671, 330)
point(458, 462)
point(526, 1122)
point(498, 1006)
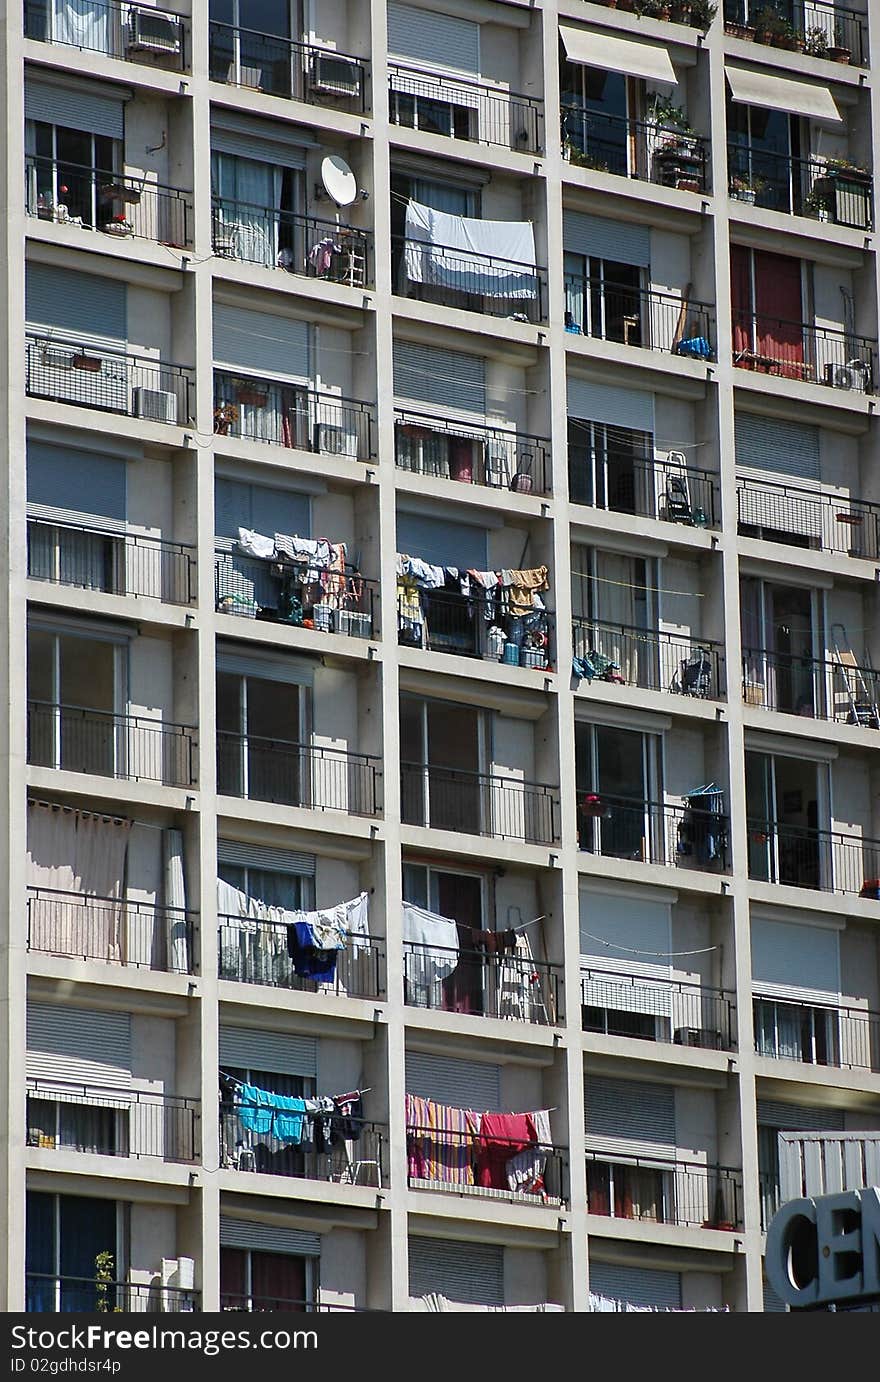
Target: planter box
point(92, 363)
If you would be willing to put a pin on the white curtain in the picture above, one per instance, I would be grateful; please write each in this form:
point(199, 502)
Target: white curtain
point(175, 902)
point(616, 605)
point(78, 855)
point(81, 24)
point(253, 191)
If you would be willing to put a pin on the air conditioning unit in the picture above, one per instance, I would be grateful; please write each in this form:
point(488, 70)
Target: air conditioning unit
point(854, 375)
point(335, 440)
point(156, 404)
point(334, 75)
point(150, 31)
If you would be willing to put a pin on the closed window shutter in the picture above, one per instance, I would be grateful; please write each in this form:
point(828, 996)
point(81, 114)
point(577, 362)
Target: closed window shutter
point(257, 341)
point(472, 1273)
point(263, 857)
point(78, 1046)
point(82, 305)
point(441, 40)
point(446, 379)
point(293, 671)
point(773, 1304)
point(461, 1083)
point(72, 486)
point(443, 543)
point(636, 1285)
point(772, 1113)
point(249, 1049)
point(616, 407)
point(259, 507)
point(626, 924)
point(234, 133)
point(616, 241)
point(245, 1233)
point(798, 962)
point(74, 108)
point(629, 1117)
point(785, 449)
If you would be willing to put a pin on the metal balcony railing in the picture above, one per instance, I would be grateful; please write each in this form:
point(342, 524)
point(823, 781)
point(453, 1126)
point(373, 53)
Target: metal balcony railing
point(482, 983)
point(115, 28)
point(117, 930)
point(456, 1154)
point(639, 149)
point(130, 747)
point(643, 317)
point(257, 952)
point(304, 245)
point(816, 1034)
point(653, 832)
point(842, 31)
point(664, 1192)
point(293, 774)
point(354, 1161)
point(265, 410)
point(85, 375)
point(665, 1010)
point(800, 186)
point(847, 694)
point(65, 1116)
point(116, 563)
point(53, 1295)
point(120, 204)
point(613, 477)
point(282, 67)
point(463, 109)
point(475, 282)
point(236, 1300)
point(449, 449)
point(479, 803)
point(826, 860)
point(464, 625)
point(650, 659)
point(800, 517)
point(797, 350)
point(265, 589)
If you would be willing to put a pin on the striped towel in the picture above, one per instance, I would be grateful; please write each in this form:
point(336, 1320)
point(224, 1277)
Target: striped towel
point(440, 1141)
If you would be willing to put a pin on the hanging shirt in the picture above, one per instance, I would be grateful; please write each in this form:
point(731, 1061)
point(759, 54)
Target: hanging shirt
point(522, 586)
point(268, 1114)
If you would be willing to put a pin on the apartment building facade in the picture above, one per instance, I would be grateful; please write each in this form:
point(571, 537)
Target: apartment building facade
point(472, 524)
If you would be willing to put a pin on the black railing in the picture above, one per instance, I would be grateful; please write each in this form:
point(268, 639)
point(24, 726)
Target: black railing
point(289, 415)
point(463, 109)
point(479, 803)
point(647, 658)
point(65, 1116)
point(129, 747)
point(642, 317)
point(653, 832)
point(777, 512)
point(630, 1005)
point(825, 860)
point(47, 1294)
point(470, 626)
point(664, 1192)
point(676, 11)
point(454, 1158)
point(481, 982)
point(237, 1300)
point(796, 350)
point(639, 149)
point(820, 29)
point(282, 67)
point(471, 280)
point(449, 449)
point(800, 186)
point(304, 245)
point(119, 30)
point(118, 930)
point(616, 479)
point(354, 1161)
point(260, 588)
point(259, 952)
point(89, 376)
point(117, 563)
point(121, 205)
point(804, 685)
point(815, 1034)
point(293, 774)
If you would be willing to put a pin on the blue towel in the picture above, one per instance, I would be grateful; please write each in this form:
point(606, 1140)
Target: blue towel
point(274, 1115)
point(697, 346)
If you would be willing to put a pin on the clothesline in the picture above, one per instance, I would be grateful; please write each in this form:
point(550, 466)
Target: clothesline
point(653, 954)
point(341, 1098)
point(634, 585)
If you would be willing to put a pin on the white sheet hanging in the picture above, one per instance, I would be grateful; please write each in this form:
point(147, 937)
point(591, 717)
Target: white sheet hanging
point(175, 902)
point(83, 854)
point(491, 258)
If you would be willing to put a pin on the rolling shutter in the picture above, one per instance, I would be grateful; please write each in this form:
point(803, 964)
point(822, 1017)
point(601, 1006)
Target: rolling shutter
point(257, 341)
point(244, 1233)
point(636, 1285)
point(82, 305)
point(617, 407)
point(67, 485)
point(293, 671)
point(461, 1083)
point(446, 379)
point(443, 543)
point(776, 451)
point(238, 504)
point(263, 857)
point(617, 241)
point(249, 1049)
point(472, 1273)
point(441, 40)
point(792, 961)
point(798, 1117)
point(245, 137)
point(74, 108)
point(773, 1304)
point(75, 1045)
point(629, 1117)
point(626, 924)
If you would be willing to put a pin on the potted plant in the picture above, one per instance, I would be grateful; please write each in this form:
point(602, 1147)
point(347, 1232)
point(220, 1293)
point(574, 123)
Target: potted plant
point(118, 225)
point(673, 127)
point(736, 30)
point(90, 363)
point(682, 11)
point(818, 204)
point(849, 172)
point(816, 42)
point(744, 187)
point(104, 1264)
point(837, 53)
point(702, 13)
point(783, 34)
point(225, 416)
point(654, 9)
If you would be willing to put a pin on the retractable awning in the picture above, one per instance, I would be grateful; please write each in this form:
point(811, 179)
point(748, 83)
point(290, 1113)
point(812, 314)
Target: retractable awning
point(648, 60)
point(781, 93)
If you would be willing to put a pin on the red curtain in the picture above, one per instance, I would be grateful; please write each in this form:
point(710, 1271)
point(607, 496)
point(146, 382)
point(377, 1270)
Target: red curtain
point(233, 1276)
point(277, 1277)
point(779, 312)
point(741, 299)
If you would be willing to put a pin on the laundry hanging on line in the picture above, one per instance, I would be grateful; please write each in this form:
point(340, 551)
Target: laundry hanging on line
point(490, 258)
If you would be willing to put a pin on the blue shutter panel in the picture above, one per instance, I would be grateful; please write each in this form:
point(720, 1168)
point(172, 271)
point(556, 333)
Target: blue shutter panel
point(608, 403)
point(442, 543)
point(438, 39)
point(260, 342)
point(75, 486)
point(72, 108)
point(636, 1285)
point(618, 241)
point(461, 1083)
point(80, 304)
point(446, 379)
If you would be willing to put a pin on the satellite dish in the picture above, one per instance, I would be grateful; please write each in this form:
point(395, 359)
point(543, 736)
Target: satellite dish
point(339, 181)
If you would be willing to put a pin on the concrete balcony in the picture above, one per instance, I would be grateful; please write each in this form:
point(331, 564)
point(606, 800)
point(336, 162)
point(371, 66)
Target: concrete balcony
point(265, 410)
point(115, 930)
point(460, 108)
point(654, 660)
point(71, 554)
point(280, 66)
point(152, 36)
point(122, 207)
point(479, 803)
point(687, 1194)
point(76, 739)
point(843, 1038)
point(662, 1010)
point(63, 1116)
point(70, 372)
point(256, 952)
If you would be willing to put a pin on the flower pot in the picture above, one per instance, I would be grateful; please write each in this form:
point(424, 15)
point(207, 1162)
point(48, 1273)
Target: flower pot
point(744, 194)
point(91, 363)
point(838, 54)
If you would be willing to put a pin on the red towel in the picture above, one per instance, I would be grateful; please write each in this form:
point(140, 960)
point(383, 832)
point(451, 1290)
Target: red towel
point(502, 1135)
